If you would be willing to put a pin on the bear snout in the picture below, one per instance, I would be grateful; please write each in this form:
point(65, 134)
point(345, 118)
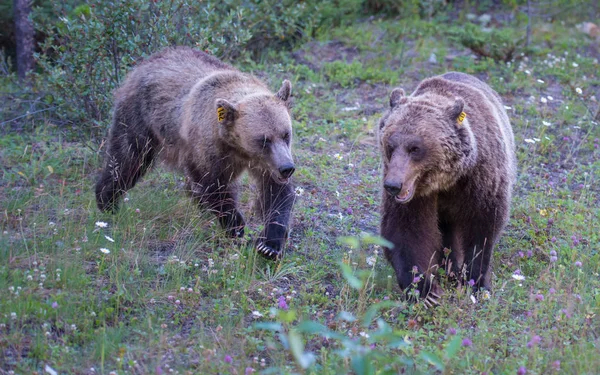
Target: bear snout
point(287, 170)
point(393, 188)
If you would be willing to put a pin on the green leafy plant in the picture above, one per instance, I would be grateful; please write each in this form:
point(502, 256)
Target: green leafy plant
point(496, 44)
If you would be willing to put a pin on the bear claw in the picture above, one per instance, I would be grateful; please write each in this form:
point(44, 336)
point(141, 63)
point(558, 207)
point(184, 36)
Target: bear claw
point(431, 300)
point(267, 251)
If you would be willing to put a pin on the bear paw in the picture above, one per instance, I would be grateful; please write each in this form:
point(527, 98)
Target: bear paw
point(268, 252)
point(432, 298)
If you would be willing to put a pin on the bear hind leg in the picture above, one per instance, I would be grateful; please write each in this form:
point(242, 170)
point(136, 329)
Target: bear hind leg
point(128, 159)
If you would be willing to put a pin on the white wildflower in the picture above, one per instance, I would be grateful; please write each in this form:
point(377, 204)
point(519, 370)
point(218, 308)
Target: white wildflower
point(578, 90)
point(256, 314)
point(575, 65)
point(101, 224)
point(546, 123)
point(543, 100)
point(540, 81)
point(105, 250)
point(529, 140)
point(371, 260)
point(486, 294)
point(110, 239)
point(473, 299)
point(299, 191)
point(518, 277)
point(338, 156)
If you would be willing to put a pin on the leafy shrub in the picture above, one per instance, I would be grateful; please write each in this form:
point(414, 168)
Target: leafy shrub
point(88, 52)
point(405, 8)
point(497, 44)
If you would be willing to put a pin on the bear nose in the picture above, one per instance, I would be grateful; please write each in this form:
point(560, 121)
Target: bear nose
point(392, 188)
point(287, 170)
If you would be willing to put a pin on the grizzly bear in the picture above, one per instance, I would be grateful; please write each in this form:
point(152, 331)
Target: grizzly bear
point(448, 171)
point(212, 122)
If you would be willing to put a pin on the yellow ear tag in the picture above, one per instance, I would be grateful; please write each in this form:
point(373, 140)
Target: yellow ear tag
point(461, 118)
point(220, 114)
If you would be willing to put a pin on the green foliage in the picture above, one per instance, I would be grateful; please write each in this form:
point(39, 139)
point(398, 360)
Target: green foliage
point(405, 8)
point(88, 52)
point(347, 74)
point(499, 44)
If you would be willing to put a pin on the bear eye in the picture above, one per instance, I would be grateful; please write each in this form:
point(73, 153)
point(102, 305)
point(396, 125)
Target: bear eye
point(413, 150)
point(286, 138)
point(264, 142)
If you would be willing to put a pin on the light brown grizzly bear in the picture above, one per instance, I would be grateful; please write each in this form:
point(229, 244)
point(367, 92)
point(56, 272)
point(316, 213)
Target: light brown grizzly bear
point(449, 166)
point(212, 122)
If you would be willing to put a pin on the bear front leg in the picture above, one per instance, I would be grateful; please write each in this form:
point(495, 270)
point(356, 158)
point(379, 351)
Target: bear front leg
point(413, 230)
point(479, 237)
point(217, 192)
point(274, 205)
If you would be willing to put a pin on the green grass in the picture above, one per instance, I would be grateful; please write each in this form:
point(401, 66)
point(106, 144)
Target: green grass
point(174, 294)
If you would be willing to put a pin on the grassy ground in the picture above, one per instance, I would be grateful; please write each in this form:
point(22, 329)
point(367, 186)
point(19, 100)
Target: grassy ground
point(172, 295)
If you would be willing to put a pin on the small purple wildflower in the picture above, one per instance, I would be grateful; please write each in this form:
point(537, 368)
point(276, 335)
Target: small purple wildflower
point(553, 239)
point(467, 342)
point(158, 370)
point(528, 314)
point(54, 305)
point(528, 220)
point(249, 371)
point(566, 312)
point(578, 297)
point(553, 252)
point(565, 138)
point(415, 269)
point(581, 187)
point(575, 240)
point(373, 346)
point(282, 303)
point(553, 259)
point(522, 370)
point(529, 253)
point(416, 279)
point(534, 341)
point(451, 331)
point(539, 297)
point(578, 264)
point(556, 365)
point(550, 221)
point(521, 254)
point(471, 282)
point(228, 359)
point(385, 298)
point(349, 211)
point(551, 291)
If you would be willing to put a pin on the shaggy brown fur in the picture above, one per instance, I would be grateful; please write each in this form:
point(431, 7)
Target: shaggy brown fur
point(448, 183)
point(212, 122)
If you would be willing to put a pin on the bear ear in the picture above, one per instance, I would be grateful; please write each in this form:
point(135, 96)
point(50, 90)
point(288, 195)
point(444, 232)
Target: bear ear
point(226, 112)
point(285, 91)
point(456, 110)
point(397, 97)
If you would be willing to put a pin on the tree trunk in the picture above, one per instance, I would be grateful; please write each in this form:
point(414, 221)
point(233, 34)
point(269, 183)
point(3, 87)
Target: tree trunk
point(24, 36)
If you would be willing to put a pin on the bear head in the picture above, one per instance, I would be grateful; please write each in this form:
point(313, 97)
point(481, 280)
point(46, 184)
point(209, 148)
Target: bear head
point(259, 127)
point(426, 144)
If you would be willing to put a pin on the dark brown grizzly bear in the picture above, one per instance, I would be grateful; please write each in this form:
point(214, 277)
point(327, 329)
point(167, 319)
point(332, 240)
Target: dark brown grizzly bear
point(449, 166)
point(212, 122)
